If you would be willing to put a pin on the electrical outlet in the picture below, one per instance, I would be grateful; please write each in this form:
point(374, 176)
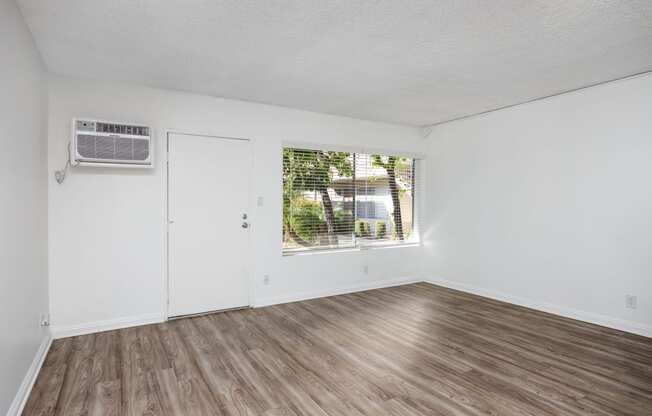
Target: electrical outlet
point(630, 301)
point(260, 201)
point(365, 269)
point(44, 319)
point(266, 279)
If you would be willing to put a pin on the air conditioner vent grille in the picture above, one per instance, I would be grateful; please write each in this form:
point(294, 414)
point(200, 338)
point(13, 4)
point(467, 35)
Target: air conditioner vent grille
point(121, 129)
point(112, 148)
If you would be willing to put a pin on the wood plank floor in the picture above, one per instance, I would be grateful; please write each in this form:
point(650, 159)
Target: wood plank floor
point(411, 350)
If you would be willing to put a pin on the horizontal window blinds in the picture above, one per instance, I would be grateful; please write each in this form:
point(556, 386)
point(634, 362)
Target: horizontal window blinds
point(335, 200)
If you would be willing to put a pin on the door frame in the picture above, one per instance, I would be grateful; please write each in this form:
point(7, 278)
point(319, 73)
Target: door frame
point(165, 168)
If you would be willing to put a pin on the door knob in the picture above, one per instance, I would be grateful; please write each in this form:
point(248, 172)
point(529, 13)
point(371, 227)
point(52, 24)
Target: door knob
point(245, 224)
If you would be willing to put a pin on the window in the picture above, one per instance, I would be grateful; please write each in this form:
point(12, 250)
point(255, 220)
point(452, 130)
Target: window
point(334, 200)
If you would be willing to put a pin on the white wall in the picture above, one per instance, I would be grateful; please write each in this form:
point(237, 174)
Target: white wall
point(549, 204)
point(106, 226)
point(23, 234)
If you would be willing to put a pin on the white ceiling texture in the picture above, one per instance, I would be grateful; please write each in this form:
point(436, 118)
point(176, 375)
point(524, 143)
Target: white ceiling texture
point(415, 62)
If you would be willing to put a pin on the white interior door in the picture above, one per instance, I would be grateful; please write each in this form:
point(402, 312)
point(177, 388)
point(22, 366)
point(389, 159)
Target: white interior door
point(208, 196)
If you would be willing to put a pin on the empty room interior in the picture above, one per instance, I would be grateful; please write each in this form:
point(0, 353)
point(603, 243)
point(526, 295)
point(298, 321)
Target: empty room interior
point(302, 207)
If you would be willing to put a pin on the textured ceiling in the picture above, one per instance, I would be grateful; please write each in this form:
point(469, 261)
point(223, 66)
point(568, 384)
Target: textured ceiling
point(415, 62)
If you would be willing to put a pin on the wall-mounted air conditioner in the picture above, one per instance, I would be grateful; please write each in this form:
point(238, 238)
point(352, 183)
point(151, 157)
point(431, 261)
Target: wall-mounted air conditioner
point(99, 143)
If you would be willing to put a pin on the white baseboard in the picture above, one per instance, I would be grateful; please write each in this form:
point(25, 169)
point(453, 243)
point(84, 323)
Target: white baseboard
point(338, 291)
point(593, 318)
point(108, 325)
point(111, 324)
point(616, 323)
point(26, 386)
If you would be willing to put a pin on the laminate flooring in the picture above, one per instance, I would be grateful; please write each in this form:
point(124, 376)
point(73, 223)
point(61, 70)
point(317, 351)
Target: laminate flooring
point(416, 349)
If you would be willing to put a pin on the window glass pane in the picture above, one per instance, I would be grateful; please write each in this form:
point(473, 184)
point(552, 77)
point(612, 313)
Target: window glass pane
point(317, 199)
point(341, 199)
point(384, 197)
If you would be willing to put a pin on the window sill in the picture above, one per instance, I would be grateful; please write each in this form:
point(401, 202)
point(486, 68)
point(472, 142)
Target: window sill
point(370, 247)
